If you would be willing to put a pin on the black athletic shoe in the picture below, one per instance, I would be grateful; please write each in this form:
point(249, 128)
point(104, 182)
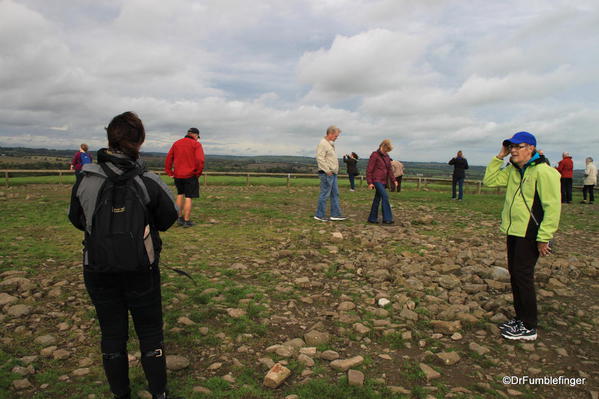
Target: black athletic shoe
point(521, 333)
point(188, 223)
point(510, 324)
point(181, 221)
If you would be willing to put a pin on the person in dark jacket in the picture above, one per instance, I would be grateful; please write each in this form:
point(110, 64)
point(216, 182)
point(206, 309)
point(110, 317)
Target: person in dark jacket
point(565, 167)
point(378, 173)
point(460, 164)
point(185, 162)
point(115, 294)
point(351, 160)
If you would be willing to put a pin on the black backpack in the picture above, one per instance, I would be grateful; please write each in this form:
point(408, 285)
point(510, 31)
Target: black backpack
point(120, 238)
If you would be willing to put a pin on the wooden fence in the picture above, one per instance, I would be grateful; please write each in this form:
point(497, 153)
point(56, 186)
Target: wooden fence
point(421, 182)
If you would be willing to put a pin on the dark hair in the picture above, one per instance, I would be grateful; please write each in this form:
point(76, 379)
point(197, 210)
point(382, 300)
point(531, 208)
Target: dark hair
point(126, 133)
point(355, 155)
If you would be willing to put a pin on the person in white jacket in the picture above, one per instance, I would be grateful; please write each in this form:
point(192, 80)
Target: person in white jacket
point(590, 180)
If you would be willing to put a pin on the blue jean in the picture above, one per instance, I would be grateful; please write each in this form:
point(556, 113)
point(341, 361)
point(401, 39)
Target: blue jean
point(352, 179)
point(328, 188)
point(460, 182)
point(381, 194)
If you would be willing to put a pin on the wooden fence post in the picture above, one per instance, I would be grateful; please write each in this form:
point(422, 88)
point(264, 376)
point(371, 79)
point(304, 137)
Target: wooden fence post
point(247, 180)
point(6, 177)
point(418, 185)
point(288, 179)
point(205, 180)
point(60, 177)
point(480, 187)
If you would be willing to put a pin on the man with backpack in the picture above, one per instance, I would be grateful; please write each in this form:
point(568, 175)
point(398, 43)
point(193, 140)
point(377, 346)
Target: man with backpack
point(80, 158)
point(121, 207)
point(185, 162)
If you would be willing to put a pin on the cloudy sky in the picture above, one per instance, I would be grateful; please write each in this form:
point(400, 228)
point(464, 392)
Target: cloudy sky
point(267, 77)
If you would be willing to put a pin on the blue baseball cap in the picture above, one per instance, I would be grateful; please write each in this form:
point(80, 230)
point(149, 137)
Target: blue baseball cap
point(521, 137)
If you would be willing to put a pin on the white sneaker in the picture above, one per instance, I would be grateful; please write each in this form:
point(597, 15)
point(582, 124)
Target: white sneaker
point(321, 219)
point(338, 218)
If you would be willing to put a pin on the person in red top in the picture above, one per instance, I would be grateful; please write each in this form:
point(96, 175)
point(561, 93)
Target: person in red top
point(378, 173)
point(185, 162)
point(566, 168)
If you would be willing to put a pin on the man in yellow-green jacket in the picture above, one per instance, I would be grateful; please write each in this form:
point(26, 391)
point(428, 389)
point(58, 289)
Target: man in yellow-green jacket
point(530, 217)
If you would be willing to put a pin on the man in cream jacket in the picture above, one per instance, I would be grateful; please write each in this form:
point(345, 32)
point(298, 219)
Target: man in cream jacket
point(328, 168)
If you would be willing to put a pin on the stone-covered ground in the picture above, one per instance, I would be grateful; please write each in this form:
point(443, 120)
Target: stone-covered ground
point(353, 310)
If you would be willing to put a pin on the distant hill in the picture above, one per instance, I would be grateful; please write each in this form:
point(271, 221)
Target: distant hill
point(41, 158)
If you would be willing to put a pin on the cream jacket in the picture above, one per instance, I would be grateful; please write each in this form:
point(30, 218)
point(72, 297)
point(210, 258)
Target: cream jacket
point(326, 157)
point(590, 174)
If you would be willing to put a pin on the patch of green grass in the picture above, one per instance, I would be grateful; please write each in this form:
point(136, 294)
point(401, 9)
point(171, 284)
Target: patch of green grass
point(323, 389)
point(394, 340)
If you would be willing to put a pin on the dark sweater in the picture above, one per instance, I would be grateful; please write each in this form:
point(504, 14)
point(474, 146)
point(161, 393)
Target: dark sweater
point(459, 166)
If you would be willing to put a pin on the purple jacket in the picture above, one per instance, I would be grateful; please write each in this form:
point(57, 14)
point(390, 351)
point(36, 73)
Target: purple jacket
point(379, 168)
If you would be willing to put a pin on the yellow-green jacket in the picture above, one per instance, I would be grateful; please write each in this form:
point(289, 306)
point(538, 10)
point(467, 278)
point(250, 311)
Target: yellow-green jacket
point(533, 200)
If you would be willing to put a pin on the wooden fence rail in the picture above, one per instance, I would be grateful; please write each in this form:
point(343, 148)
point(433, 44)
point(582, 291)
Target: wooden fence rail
point(421, 182)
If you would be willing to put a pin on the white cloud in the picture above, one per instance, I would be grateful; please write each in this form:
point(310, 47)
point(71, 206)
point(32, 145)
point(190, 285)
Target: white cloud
point(270, 78)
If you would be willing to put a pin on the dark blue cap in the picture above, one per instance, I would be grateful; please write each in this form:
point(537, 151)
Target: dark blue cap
point(521, 137)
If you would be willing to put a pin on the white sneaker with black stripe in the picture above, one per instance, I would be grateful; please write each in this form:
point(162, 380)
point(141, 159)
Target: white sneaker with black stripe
point(508, 324)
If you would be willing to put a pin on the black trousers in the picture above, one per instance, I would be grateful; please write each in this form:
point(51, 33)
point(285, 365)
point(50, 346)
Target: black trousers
point(522, 255)
point(566, 186)
point(114, 295)
point(588, 188)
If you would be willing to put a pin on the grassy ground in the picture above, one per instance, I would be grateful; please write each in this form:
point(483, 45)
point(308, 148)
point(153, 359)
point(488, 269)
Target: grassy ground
point(247, 226)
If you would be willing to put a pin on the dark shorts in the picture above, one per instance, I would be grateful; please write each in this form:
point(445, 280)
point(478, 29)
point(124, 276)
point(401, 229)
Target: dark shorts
point(190, 187)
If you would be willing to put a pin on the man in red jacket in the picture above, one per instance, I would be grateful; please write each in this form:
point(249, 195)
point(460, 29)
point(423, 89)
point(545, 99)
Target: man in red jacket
point(187, 157)
point(566, 168)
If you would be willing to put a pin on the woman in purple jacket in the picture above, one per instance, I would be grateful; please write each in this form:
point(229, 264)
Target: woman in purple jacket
point(378, 173)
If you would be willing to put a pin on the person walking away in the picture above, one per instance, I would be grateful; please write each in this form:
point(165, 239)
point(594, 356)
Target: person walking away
point(530, 218)
point(81, 157)
point(398, 173)
point(185, 163)
point(590, 180)
point(351, 161)
point(121, 208)
point(378, 173)
point(460, 164)
point(328, 168)
point(566, 169)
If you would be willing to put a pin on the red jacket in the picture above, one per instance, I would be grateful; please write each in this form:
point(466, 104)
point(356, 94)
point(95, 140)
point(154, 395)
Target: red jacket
point(187, 157)
point(566, 167)
point(379, 168)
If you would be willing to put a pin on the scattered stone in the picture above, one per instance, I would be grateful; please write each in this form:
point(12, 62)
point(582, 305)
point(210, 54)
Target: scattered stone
point(175, 362)
point(305, 360)
point(344, 306)
point(45, 340)
point(215, 366)
point(80, 372)
point(61, 354)
point(500, 274)
point(429, 372)
point(6, 299)
point(302, 281)
point(481, 350)
point(19, 385)
point(355, 378)
point(456, 336)
point(19, 310)
point(200, 389)
point(47, 352)
point(446, 327)
point(361, 328)
point(229, 378)
point(383, 302)
point(329, 355)
point(316, 338)
point(346, 364)
point(337, 236)
point(236, 313)
point(185, 321)
point(276, 376)
point(449, 358)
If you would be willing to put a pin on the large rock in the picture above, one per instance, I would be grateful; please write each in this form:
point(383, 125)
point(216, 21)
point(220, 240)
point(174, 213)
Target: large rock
point(343, 306)
point(6, 299)
point(329, 355)
point(276, 375)
point(407, 314)
point(17, 283)
point(346, 364)
point(45, 340)
point(315, 338)
point(481, 350)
